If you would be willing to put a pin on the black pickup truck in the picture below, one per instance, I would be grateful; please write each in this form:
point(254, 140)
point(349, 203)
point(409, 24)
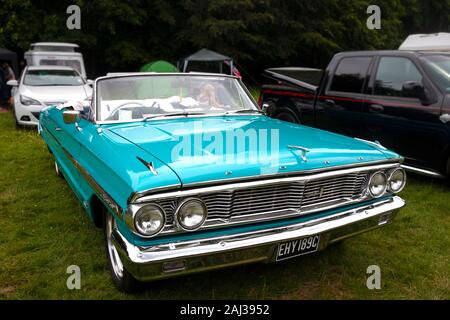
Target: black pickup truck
point(400, 99)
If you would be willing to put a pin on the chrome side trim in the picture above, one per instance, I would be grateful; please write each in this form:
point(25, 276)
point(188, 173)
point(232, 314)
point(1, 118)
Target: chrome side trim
point(107, 199)
point(249, 184)
point(424, 172)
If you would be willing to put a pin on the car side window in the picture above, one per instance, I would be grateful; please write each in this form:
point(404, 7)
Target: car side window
point(393, 74)
point(350, 74)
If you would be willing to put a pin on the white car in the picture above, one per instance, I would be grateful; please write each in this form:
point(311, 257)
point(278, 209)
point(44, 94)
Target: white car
point(42, 86)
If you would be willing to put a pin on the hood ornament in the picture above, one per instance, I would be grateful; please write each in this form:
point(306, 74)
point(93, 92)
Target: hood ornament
point(302, 149)
point(149, 165)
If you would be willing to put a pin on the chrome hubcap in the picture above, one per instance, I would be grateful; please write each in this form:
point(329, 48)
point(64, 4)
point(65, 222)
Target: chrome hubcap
point(116, 262)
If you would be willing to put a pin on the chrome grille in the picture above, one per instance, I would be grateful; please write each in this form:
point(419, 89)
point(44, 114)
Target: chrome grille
point(275, 201)
point(333, 189)
point(228, 204)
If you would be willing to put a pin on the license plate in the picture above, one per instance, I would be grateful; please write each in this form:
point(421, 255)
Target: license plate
point(297, 247)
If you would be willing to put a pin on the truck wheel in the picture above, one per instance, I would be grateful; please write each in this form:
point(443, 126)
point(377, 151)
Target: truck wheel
point(285, 114)
point(123, 280)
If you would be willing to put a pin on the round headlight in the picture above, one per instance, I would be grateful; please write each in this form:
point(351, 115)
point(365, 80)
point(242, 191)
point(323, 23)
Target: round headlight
point(191, 214)
point(377, 184)
point(397, 180)
point(149, 220)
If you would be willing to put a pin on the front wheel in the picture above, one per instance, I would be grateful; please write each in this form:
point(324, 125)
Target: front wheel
point(123, 280)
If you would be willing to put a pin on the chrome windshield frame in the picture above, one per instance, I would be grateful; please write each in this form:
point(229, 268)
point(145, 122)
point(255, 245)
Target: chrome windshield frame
point(153, 74)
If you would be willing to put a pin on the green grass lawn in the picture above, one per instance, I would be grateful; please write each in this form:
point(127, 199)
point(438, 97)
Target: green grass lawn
point(43, 230)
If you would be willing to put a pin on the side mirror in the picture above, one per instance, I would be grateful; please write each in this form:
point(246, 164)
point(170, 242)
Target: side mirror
point(268, 108)
point(71, 116)
point(12, 83)
point(90, 82)
point(415, 89)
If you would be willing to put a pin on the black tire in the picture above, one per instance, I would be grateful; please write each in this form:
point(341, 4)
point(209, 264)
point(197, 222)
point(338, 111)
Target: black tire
point(121, 278)
point(286, 114)
point(18, 126)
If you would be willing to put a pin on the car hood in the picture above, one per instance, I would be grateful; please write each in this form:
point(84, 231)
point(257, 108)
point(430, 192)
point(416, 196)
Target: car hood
point(46, 94)
point(223, 147)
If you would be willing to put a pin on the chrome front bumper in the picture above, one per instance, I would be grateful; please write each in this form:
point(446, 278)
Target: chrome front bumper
point(179, 258)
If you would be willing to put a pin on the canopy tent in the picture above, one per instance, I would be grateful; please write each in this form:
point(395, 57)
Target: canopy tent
point(10, 57)
point(159, 66)
point(198, 61)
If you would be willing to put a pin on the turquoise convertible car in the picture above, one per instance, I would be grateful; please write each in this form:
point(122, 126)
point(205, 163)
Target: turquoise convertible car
point(186, 174)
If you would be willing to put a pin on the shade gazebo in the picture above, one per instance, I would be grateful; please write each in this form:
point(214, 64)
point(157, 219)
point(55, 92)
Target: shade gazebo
point(205, 56)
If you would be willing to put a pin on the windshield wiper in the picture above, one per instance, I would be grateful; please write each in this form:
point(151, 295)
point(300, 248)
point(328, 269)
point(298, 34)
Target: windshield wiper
point(173, 114)
point(244, 111)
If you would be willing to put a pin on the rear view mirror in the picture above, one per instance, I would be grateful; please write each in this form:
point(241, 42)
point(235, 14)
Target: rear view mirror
point(12, 83)
point(90, 82)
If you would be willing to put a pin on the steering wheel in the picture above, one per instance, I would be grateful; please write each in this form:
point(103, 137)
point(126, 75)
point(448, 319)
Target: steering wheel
point(111, 116)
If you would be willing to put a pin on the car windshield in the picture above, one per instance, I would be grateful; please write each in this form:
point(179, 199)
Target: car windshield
point(132, 98)
point(59, 62)
point(438, 65)
point(52, 78)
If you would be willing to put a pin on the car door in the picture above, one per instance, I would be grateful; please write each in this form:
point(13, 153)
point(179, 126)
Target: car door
point(400, 120)
point(339, 103)
point(63, 141)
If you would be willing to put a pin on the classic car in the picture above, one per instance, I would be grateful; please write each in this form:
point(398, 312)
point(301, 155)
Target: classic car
point(186, 174)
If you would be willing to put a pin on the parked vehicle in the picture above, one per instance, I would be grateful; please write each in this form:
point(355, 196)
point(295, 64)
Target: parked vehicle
point(55, 54)
point(438, 42)
point(42, 86)
point(169, 165)
point(399, 98)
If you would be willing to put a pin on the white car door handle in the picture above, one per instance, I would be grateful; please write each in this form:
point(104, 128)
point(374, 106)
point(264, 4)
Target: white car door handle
point(57, 129)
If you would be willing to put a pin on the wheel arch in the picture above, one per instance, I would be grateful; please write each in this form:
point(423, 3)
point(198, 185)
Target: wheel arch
point(286, 106)
point(97, 211)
